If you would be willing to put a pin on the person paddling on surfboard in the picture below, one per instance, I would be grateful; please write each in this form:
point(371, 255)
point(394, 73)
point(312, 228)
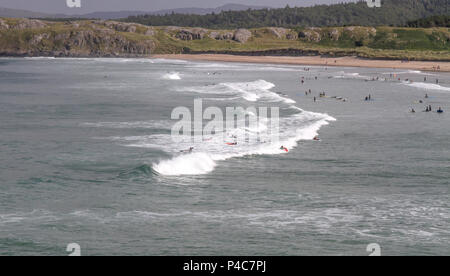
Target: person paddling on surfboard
point(188, 151)
point(284, 148)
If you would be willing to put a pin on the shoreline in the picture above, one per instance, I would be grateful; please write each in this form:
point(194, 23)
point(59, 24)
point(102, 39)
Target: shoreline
point(316, 61)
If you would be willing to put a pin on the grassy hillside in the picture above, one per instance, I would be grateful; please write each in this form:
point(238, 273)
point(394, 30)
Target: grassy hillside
point(23, 37)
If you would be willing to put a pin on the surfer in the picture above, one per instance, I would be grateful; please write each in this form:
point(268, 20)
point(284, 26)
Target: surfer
point(440, 110)
point(413, 110)
point(426, 96)
point(316, 138)
point(188, 151)
point(232, 144)
point(284, 148)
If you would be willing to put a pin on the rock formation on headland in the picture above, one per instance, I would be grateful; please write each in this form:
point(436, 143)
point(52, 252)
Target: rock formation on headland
point(105, 38)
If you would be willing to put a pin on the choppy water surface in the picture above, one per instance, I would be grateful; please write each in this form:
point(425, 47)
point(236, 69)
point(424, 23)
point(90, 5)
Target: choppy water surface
point(86, 157)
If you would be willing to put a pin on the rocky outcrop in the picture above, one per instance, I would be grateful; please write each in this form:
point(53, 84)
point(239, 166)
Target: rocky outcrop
point(119, 26)
point(278, 32)
point(311, 34)
point(292, 36)
point(38, 38)
point(221, 35)
point(95, 43)
point(150, 32)
point(283, 33)
point(214, 35)
point(360, 32)
point(191, 34)
point(242, 35)
point(28, 24)
point(334, 34)
point(3, 25)
point(66, 40)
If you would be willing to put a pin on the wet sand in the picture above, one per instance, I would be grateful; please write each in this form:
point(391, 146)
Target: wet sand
point(317, 60)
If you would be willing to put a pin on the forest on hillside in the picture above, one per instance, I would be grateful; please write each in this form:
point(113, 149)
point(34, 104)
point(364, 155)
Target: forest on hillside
point(431, 22)
point(392, 13)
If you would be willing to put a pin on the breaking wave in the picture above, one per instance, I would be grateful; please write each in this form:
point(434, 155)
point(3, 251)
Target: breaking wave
point(427, 86)
point(172, 76)
point(302, 125)
point(249, 91)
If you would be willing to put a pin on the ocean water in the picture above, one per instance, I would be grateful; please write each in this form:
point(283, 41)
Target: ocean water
point(86, 157)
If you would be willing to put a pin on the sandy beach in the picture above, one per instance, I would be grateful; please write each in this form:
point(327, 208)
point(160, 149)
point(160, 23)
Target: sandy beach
point(317, 60)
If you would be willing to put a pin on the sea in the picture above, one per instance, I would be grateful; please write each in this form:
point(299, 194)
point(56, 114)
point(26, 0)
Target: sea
point(87, 158)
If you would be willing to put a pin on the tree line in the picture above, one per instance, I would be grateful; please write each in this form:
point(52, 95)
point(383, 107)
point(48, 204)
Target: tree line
point(391, 13)
point(431, 22)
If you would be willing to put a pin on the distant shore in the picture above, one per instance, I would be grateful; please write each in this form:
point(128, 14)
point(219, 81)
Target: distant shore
point(436, 66)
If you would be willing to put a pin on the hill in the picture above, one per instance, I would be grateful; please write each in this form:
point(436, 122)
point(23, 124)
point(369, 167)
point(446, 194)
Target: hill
point(392, 13)
point(87, 38)
point(15, 13)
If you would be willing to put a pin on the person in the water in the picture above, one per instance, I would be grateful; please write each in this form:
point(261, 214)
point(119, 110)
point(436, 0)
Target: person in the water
point(188, 151)
point(440, 110)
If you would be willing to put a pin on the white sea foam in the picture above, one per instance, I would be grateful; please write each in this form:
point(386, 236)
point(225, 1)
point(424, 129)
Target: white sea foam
point(408, 72)
point(301, 126)
point(427, 86)
point(250, 91)
point(344, 75)
point(172, 76)
point(154, 124)
point(190, 164)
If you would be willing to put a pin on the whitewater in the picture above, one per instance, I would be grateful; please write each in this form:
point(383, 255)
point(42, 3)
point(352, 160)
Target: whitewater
point(301, 125)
